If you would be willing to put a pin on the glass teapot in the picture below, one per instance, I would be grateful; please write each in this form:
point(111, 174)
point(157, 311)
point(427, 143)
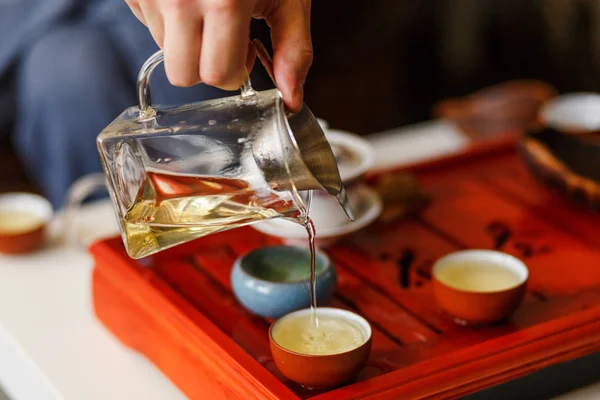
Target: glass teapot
point(175, 174)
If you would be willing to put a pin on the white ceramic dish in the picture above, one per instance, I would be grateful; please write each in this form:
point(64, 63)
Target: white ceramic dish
point(326, 216)
point(354, 155)
point(574, 112)
point(324, 124)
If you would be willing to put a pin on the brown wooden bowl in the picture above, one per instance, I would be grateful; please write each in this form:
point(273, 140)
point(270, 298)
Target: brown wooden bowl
point(467, 288)
point(319, 371)
point(567, 162)
point(508, 106)
point(23, 221)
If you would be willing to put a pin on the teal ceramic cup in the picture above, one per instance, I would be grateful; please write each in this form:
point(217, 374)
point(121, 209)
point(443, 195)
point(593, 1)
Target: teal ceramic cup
point(274, 281)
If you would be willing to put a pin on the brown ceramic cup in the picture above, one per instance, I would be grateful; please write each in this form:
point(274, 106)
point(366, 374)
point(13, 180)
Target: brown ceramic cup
point(322, 371)
point(479, 304)
point(23, 221)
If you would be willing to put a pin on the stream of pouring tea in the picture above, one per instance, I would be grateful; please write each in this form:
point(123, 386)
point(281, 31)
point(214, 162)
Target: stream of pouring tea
point(310, 230)
point(307, 223)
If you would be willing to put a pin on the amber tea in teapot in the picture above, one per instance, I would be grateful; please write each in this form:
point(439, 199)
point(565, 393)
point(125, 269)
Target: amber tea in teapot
point(169, 208)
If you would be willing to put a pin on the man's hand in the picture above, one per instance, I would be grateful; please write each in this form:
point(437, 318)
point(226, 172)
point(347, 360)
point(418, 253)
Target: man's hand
point(208, 40)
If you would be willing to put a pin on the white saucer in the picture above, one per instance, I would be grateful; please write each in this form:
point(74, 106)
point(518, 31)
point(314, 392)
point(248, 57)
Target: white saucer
point(367, 207)
point(354, 155)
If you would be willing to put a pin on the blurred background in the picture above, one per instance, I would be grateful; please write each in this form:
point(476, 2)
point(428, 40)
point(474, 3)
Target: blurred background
point(383, 64)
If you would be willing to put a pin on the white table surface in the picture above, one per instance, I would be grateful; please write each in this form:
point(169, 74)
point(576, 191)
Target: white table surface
point(51, 345)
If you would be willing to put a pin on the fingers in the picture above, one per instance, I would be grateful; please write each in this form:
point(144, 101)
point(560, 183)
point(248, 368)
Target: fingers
point(225, 43)
point(153, 19)
point(250, 57)
point(208, 40)
point(182, 46)
point(293, 55)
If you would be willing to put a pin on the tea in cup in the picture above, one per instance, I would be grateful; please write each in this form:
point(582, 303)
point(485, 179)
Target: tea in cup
point(23, 221)
point(479, 286)
point(320, 350)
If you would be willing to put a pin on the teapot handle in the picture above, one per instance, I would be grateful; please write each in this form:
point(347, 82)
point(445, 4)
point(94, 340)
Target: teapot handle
point(79, 191)
point(143, 85)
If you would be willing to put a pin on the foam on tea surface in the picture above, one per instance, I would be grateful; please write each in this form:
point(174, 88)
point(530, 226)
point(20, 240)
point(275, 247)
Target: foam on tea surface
point(477, 276)
point(16, 222)
point(334, 334)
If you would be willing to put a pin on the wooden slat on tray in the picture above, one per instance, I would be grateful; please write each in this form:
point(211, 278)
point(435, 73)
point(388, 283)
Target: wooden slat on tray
point(218, 305)
point(479, 218)
point(516, 183)
point(379, 309)
point(397, 261)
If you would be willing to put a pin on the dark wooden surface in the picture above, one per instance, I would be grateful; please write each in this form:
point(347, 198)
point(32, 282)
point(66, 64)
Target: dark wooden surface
point(177, 307)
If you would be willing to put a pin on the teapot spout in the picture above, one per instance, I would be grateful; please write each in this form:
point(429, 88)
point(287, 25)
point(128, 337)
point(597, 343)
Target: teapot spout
point(342, 198)
point(316, 155)
point(314, 164)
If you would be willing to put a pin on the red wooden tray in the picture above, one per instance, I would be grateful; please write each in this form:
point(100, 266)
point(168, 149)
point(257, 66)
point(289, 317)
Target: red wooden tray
point(177, 307)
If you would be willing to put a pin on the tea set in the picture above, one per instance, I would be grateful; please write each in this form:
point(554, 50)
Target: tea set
point(270, 160)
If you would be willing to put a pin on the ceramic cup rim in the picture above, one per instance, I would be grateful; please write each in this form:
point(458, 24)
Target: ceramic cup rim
point(34, 203)
point(239, 264)
point(486, 256)
point(365, 325)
